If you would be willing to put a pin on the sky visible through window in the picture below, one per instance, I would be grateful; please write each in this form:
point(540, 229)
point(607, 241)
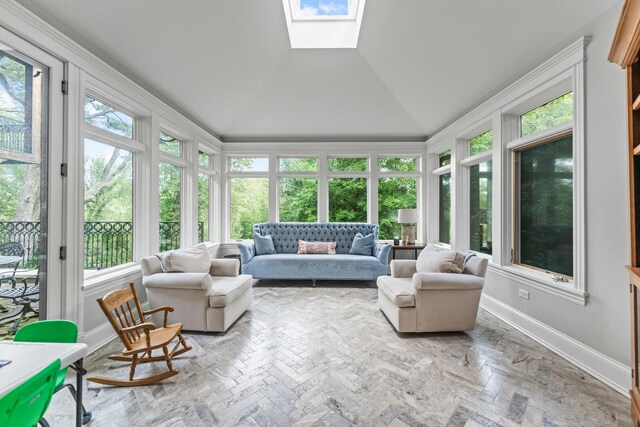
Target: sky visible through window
point(324, 7)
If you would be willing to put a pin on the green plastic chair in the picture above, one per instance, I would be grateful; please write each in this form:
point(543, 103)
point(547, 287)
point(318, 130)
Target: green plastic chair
point(26, 404)
point(58, 331)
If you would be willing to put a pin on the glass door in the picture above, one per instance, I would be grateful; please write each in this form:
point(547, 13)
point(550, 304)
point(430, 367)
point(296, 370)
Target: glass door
point(29, 229)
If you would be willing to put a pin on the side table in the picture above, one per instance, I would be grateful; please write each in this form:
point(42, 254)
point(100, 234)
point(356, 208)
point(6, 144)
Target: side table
point(415, 248)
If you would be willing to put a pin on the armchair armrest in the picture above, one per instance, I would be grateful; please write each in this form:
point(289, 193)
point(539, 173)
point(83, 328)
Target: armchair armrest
point(224, 267)
point(382, 251)
point(426, 281)
point(166, 310)
point(247, 251)
point(195, 281)
point(146, 326)
point(403, 268)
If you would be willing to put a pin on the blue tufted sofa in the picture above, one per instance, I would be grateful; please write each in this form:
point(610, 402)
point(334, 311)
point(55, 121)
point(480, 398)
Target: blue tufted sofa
point(287, 264)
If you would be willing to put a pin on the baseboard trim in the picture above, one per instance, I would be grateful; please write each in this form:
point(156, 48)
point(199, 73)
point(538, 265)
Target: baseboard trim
point(101, 335)
point(611, 372)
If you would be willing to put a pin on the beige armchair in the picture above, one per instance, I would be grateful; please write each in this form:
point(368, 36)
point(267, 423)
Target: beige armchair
point(209, 301)
point(431, 302)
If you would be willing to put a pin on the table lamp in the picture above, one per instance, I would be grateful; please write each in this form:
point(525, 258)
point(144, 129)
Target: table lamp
point(408, 218)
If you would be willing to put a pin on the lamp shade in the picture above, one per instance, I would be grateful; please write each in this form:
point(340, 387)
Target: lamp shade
point(408, 216)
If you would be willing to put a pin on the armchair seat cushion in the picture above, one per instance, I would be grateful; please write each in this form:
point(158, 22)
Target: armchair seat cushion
point(398, 290)
point(228, 289)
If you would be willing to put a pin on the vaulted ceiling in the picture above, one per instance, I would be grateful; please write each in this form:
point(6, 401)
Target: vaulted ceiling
point(227, 64)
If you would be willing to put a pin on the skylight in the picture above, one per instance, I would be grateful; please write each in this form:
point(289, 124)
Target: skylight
point(317, 8)
point(322, 24)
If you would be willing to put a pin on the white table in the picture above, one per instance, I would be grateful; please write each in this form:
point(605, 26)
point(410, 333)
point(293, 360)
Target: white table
point(28, 358)
point(9, 259)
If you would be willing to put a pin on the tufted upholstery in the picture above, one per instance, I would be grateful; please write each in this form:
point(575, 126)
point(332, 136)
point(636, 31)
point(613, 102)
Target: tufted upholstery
point(286, 234)
point(286, 264)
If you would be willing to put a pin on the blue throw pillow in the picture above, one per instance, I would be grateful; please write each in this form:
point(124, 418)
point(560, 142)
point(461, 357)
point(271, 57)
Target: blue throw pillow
point(264, 244)
point(362, 245)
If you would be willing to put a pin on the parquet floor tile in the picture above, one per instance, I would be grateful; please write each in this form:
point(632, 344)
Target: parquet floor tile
point(327, 356)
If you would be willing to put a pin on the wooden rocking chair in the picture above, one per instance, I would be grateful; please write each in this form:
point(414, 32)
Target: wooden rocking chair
point(139, 337)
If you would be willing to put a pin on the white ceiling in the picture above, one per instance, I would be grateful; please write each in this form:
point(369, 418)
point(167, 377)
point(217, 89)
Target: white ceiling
point(228, 65)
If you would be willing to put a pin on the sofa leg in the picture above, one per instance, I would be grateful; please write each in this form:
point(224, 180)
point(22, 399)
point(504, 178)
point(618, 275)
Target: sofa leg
point(314, 282)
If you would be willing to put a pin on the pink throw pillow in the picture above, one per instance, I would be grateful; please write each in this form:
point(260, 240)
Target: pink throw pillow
point(318, 248)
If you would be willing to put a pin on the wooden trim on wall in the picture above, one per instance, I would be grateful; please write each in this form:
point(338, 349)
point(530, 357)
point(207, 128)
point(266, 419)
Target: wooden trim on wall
point(626, 41)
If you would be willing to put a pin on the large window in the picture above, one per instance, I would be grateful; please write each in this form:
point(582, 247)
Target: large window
point(348, 189)
point(444, 197)
point(397, 189)
point(205, 194)
point(170, 191)
point(480, 171)
point(248, 194)
point(108, 186)
point(298, 189)
point(544, 205)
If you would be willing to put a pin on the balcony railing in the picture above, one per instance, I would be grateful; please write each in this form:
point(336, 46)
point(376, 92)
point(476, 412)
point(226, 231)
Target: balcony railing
point(15, 138)
point(106, 243)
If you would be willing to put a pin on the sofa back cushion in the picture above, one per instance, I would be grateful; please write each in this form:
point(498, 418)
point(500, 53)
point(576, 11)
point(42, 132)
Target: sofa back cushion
point(362, 245)
point(264, 244)
point(436, 260)
point(189, 260)
point(285, 235)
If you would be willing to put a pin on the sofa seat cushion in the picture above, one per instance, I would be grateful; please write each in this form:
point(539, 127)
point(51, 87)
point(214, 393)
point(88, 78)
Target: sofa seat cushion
point(227, 289)
point(398, 290)
point(293, 266)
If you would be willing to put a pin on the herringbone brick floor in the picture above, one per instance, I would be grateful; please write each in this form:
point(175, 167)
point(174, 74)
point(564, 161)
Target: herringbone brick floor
point(327, 356)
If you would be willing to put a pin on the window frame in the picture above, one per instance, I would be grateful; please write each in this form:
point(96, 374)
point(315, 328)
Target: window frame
point(135, 146)
point(437, 171)
point(211, 172)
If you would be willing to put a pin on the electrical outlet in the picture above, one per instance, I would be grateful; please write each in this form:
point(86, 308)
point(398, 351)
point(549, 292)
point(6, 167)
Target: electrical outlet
point(523, 294)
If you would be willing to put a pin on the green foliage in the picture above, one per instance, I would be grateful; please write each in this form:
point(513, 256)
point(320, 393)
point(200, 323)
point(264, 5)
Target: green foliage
point(550, 114)
point(203, 206)
point(481, 143)
point(347, 164)
point(204, 159)
point(546, 206)
point(170, 145)
point(480, 179)
point(394, 194)
point(444, 192)
point(347, 200)
point(298, 199)
point(170, 183)
point(249, 205)
point(444, 158)
point(12, 177)
point(245, 164)
point(398, 164)
point(108, 118)
point(308, 164)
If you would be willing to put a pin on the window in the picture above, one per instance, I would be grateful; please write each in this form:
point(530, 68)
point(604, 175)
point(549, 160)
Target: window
point(205, 186)
point(248, 180)
point(170, 202)
point(480, 171)
point(170, 191)
point(397, 189)
point(249, 205)
point(298, 189)
point(481, 143)
point(347, 164)
point(444, 158)
point(544, 205)
point(444, 197)
point(108, 118)
point(313, 8)
point(347, 199)
point(246, 164)
point(555, 112)
point(108, 206)
point(108, 186)
point(397, 164)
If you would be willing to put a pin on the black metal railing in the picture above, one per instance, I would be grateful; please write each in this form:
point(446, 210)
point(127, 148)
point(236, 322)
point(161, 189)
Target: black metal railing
point(106, 243)
point(15, 138)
